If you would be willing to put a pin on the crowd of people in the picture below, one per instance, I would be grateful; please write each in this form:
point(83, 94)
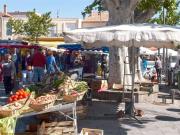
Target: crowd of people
point(31, 66)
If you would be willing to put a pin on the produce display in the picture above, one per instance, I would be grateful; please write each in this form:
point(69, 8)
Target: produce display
point(60, 84)
point(20, 94)
point(43, 99)
point(12, 106)
point(70, 86)
point(44, 94)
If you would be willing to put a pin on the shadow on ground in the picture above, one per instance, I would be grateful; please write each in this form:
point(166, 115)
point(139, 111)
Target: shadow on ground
point(103, 115)
point(173, 109)
point(167, 118)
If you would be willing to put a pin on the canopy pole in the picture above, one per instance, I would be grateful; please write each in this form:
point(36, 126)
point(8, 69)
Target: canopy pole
point(132, 87)
point(163, 68)
point(166, 70)
point(133, 78)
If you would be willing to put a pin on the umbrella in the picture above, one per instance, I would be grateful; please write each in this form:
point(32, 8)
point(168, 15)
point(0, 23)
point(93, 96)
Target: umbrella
point(146, 35)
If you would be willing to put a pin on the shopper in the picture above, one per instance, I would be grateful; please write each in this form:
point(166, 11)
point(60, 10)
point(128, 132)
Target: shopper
point(51, 63)
point(9, 71)
point(104, 65)
point(38, 62)
point(23, 68)
point(158, 67)
point(29, 67)
point(1, 75)
point(143, 65)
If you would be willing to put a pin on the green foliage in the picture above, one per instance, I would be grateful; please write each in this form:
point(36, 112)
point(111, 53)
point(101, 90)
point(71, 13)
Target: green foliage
point(17, 26)
point(168, 13)
point(172, 15)
point(37, 25)
point(96, 5)
point(34, 27)
point(150, 4)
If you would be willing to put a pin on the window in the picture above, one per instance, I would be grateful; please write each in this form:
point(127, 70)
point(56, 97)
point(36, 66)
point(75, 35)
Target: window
point(52, 31)
point(8, 30)
point(71, 26)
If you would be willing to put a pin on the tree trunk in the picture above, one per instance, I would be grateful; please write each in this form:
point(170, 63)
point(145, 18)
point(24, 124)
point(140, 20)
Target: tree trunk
point(120, 12)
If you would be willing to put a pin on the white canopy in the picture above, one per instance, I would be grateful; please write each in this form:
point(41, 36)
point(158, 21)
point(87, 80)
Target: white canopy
point(147, 51)
point(170, 52)
point(146, 35)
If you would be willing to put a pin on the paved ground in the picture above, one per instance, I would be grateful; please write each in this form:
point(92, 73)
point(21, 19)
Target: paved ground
point(159, 119)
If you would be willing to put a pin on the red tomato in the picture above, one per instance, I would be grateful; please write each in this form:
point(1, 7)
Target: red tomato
point(20, 93)
point(16, 96)
point(24, 95)
point(17, 93)
point(14, 99)
point(21, 97)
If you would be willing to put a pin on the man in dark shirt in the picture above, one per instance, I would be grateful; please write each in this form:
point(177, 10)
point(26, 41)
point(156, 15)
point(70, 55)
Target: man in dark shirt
point(38, 62)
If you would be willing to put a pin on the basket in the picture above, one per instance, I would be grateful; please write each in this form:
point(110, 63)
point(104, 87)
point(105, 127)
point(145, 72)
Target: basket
point(41, 107)
point(71, 98)
point(6, 113)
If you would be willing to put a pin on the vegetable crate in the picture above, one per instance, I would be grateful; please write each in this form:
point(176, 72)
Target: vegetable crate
point(88, 131)
point(57, 128)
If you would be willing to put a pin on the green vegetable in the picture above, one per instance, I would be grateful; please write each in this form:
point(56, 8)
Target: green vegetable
point(58, 82)
point(27, 90)
point(81, 86)
point(7, 125)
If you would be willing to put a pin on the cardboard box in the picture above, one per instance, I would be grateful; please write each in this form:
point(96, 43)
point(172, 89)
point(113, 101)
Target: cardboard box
point(99, 84)
point(88, 131)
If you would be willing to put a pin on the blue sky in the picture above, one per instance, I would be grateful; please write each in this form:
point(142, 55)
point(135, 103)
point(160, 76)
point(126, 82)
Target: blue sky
point(66, 8)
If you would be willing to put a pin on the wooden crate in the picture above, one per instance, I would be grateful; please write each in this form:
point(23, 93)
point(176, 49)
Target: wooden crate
point(88, 131)
point(57, 128)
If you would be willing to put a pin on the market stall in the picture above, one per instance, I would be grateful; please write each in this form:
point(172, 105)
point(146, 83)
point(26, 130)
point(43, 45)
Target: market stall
point(90, 59)
point(56, 93)
point(130, 35)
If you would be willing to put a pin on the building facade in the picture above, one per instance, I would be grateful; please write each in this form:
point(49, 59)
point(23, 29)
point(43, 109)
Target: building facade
point(96, 19)
point(60, 24)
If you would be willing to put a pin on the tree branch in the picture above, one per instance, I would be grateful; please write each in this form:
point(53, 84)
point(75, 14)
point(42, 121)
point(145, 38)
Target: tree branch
point(134, 4)
point(141, 17)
